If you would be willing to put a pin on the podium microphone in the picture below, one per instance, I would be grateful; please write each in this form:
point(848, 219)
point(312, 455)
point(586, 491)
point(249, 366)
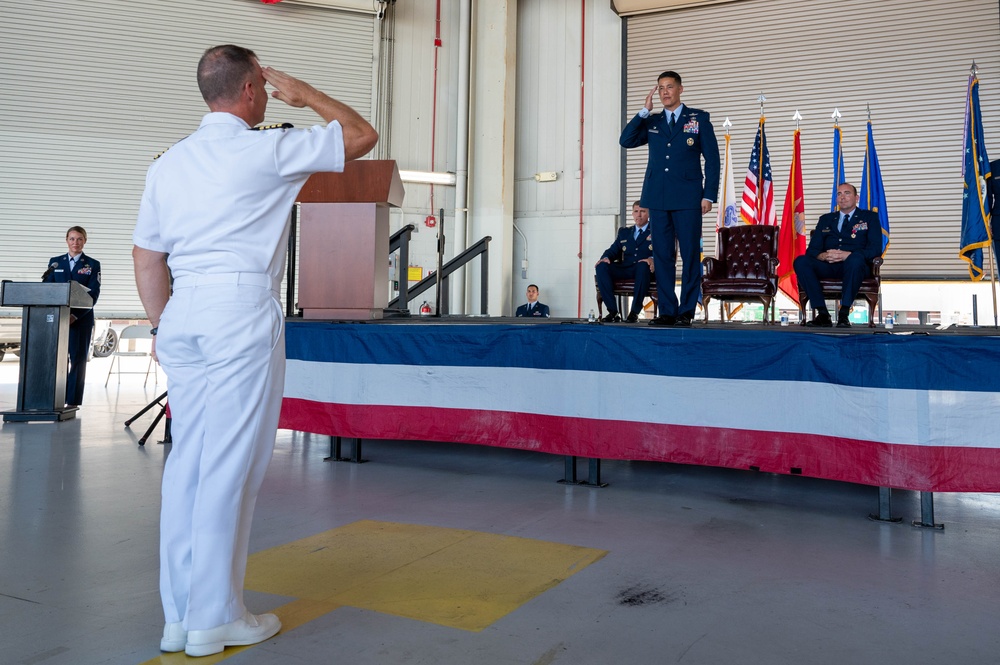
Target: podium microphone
point(52, 267)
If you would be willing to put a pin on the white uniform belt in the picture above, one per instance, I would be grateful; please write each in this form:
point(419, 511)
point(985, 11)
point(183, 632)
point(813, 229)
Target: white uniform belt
point(234, 278)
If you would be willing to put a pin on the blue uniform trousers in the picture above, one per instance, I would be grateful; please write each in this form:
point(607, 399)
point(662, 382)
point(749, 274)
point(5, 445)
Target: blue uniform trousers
point(79, 348)
point(682, 227)
point(810, 271)
point(608, 272)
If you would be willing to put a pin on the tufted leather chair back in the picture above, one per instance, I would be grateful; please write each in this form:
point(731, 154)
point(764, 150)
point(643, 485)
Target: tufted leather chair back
point(746, 267)
point(747, 250)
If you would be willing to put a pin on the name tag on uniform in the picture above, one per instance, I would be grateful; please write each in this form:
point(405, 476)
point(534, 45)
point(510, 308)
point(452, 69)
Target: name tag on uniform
point(59, 270)
point(653, 130)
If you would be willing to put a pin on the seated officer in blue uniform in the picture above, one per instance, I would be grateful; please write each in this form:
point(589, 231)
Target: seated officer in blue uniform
point(841, 247)
point(86, 270)
point(629, 257)
point(533, 307)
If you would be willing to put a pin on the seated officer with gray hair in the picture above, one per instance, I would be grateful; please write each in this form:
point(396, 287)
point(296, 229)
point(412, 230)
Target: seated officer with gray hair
point(842, 246)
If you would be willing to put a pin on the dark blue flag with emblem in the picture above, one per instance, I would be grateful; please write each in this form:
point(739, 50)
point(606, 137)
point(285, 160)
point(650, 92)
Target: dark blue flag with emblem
point(976, 172)
point(838, 165)
point(872, 191)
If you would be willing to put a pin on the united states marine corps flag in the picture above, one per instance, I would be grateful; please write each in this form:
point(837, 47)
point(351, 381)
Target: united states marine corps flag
point(791, 237)
point(976, 172)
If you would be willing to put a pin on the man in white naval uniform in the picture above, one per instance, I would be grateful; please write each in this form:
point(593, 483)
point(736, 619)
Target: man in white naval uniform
point(215, 210)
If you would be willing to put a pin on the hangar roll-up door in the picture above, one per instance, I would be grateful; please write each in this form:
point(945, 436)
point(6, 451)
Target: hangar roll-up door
point(908, 60)
point(94, 90)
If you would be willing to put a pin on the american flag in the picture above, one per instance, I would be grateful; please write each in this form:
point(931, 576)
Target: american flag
point(758, 189)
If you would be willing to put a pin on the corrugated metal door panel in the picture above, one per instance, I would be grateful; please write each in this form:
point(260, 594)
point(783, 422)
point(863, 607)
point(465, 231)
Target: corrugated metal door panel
point(908, 60)
point(95, 90)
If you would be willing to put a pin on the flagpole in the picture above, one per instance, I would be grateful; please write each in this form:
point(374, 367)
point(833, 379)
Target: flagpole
point(760, 167)
point(725, 193)
point(839, 152)
point(797, 117)
point(974, 71)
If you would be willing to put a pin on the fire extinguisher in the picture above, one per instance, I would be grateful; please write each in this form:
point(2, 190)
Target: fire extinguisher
point(425, 309)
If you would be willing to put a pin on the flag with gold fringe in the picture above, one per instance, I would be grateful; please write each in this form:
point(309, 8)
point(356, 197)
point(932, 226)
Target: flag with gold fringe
point(791, 237)
point(872, 191)
point(758, 188)
point(976, 172)
point(838, 165)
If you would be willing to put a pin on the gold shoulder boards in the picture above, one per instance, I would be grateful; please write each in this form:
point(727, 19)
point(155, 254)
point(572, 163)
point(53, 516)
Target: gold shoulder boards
point(277, 125)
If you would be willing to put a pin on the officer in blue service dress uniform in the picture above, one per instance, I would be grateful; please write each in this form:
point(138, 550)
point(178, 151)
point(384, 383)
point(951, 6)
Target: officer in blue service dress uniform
point(533, 307)
point(842, 247)
point(629, 257)
point(675, 192)
point(81, 268)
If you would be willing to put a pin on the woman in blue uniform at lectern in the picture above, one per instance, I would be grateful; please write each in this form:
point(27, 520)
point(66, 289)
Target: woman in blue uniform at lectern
point(77, 266)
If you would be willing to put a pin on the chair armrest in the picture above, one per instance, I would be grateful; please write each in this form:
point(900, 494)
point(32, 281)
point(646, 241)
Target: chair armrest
point(709, 264)
point(876, 264)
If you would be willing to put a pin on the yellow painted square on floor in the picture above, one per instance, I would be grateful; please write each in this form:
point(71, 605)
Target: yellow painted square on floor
point(456, 578)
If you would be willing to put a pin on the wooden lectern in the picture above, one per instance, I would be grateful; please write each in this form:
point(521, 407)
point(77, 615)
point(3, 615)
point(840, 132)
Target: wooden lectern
point(41, 388)
point(344, 240)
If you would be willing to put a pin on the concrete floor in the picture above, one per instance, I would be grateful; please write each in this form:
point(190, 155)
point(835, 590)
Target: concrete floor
point(702, 566)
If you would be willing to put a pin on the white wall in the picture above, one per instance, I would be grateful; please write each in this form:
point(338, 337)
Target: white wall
point(548, 214)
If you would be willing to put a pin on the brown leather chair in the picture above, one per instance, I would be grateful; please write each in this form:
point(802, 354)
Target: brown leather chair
point(623, 289)
point(746, 267)
point(870, 288)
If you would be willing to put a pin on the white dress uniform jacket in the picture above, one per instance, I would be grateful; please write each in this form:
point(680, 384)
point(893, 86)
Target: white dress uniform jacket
point(218, 204)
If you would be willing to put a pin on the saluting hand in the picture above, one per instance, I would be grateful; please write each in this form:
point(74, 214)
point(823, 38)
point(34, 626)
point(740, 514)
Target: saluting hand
point(649, 98)
point(289, 89)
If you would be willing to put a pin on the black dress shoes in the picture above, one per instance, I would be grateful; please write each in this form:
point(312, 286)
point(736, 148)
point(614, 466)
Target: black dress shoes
point(632, 318)
point(843, 317)
point(821, 320)
point(663, 320)
point(611, 317)
point(684, 320)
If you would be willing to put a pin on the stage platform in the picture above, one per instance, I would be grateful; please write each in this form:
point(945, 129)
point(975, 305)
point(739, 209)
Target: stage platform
point(912, 408)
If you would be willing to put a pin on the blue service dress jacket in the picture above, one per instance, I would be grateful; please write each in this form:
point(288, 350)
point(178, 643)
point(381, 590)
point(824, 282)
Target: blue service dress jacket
point(863, 234)
point(628, 249)
point(674, 178)
point(87, 272)
point(538, 310)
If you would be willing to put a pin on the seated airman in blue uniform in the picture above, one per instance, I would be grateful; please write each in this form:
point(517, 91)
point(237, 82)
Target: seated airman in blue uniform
point(629, 257)
point(533, 307)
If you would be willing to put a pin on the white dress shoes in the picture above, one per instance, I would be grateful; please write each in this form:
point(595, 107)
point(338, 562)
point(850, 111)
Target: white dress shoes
point(249, 629)
point(174, 637)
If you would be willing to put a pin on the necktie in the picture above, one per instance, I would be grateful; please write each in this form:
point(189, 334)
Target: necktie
point(671, 121)
point(72, 264)
point(844, 221)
